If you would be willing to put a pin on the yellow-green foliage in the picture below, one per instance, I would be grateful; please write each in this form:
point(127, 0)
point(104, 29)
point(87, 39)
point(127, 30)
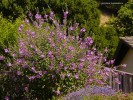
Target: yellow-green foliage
point(8, 32)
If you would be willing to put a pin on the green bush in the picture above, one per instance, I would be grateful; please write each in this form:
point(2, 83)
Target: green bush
point(106, 37)
point(84, 12)
point(8, 32)
point(123, 23)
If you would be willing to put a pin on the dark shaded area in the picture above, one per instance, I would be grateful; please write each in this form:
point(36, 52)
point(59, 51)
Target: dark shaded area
point(112, 6)
point(121, 51)
point(108, 11)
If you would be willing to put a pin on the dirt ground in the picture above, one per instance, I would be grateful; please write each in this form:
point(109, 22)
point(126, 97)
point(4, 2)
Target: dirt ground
point(104, 18)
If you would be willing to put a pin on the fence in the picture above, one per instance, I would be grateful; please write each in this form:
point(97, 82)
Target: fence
point(126, 80)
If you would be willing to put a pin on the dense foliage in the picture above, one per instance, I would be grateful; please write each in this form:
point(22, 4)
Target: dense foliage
point(106, 37)
point(118, 26)
point(84, 12)
point(123, 23)
point(8, 32)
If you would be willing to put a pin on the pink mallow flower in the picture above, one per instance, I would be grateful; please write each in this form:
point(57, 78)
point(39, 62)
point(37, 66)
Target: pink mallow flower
point(9, 64)
point(6, 50)
point(42, 56)
point(57, 92)
point(68, 75)
point(124, 65)
point(65, 14)
point(90, 80)
point(117, 81)
point(33, 69)
point(6, 98)
point(83, 30)
point(1, 58)
point(31, 78)
point(40, 73)
point(76, 76)
point(18, 73)
point(106, 50)
point(70, 48)
point(62, 76)
point(38, 16)
point(26, 21)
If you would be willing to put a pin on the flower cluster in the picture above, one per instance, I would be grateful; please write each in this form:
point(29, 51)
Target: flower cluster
point(88, 91)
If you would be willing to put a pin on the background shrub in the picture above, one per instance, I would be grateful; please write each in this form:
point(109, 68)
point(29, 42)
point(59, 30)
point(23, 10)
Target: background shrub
point(124, 21)
point(8, 32)
point(84, 12)
point(107, 37)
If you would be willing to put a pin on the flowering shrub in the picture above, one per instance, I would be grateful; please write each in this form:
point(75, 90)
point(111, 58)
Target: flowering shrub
point(48, 63)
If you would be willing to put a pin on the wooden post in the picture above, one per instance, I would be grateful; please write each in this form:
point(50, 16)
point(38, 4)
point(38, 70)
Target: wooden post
point(120, 79)
point(122, 82)
point(130, 83)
